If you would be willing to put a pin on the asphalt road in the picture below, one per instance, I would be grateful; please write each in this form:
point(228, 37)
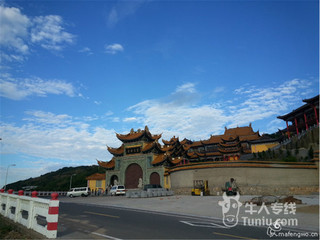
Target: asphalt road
point(81, 221)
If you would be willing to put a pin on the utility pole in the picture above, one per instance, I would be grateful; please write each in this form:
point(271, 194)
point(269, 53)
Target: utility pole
point(5, 183)
point(71, 179)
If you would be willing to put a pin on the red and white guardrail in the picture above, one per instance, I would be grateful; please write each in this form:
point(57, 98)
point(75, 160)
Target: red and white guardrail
point(34, 213)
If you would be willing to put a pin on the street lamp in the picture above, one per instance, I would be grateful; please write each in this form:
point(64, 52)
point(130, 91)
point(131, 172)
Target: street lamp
point(5, 183)
point(71, 179)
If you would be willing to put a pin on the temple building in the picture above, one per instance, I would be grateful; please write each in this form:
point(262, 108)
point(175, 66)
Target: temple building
point(96, 182)
point(302, 118)
point(141, 159)
point(227, 147)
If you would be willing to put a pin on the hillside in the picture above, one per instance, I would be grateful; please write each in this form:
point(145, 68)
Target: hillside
point(58, 180)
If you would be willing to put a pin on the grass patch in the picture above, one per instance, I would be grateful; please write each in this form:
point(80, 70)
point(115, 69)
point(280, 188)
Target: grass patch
point(9, 231)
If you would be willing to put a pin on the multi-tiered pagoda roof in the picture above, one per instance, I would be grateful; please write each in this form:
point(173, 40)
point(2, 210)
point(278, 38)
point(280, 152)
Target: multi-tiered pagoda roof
point(144, 143)
point(234, 142)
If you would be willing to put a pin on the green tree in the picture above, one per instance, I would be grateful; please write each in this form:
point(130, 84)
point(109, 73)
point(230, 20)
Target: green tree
point(280, 152)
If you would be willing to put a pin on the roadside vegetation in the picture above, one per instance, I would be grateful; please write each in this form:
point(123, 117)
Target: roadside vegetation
point(59, 180)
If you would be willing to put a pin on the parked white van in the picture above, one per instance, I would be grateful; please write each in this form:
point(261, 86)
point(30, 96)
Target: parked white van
point(77, 192)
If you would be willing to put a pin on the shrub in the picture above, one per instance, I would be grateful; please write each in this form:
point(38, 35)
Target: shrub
point(310, 152)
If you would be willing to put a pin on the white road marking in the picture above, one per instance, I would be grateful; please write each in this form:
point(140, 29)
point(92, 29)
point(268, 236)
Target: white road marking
point(203, 224)
point(106, 236)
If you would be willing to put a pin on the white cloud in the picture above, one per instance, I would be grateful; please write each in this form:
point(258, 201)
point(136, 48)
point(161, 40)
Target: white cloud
point(14, 30)
point(218, 90)
point(112, 18)
point(86, 50)
point(260, 103)
point(122, 10)
point(18, 31)
point(187, 87)
point(131, 119)
point(49, 33)
point(18, 89)
point(114, 48)
point(198, 121)
point(50, 136)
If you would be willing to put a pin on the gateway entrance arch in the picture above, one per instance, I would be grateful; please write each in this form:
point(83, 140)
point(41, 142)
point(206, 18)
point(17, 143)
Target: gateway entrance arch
point(155, 178)
point(132, 175)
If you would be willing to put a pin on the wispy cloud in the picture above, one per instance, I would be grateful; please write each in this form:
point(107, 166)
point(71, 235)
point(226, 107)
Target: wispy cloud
point(187, 87)
point(86, 50)
point(260, 103)
point(114, 48)
point(198, 121)
point(18, 89)
point(48, 31)
point(17, 31)
point(122, 10)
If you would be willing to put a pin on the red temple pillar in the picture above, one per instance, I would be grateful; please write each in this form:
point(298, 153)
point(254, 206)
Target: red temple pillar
point(288, 129)
point(306, 121)
point(296, 123)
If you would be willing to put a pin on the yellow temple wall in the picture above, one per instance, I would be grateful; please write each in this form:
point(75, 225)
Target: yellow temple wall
point(262, 147)
point(167, 182)
point(92, 184)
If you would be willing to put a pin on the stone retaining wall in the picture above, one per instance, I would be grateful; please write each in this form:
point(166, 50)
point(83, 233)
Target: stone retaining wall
point(254, 190)
point(256, 181)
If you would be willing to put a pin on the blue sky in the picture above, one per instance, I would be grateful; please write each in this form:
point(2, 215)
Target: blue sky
point(75, 72)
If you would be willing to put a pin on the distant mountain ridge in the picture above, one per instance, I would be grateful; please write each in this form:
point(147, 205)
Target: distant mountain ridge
point(58, 180)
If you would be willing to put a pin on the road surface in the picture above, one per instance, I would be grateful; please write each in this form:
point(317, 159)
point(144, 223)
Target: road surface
point(84, 221)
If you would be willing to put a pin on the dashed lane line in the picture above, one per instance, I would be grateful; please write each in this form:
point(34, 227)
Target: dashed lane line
point(102, 214)
point(106, 236)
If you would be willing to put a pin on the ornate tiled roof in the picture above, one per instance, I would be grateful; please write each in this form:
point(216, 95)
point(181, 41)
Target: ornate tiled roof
point(197, 144)
point(250, 138)
point(97, 176)
point(171, 141)
point(239, 131)
point(209, 154)
point(192, 155)
point(116, 151)
point(226, 145)
point(230, 138)
point(136, 135)
point(214, 139)
point(159, 159)
point(152, 145)
point(176, 160)
point(107, 165)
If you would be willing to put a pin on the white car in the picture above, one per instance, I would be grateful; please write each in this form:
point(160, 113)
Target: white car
point(77, 192)
point(118, 190)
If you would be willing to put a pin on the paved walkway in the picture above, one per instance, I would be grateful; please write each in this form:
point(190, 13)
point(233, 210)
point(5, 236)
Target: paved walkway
point(307, 213)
